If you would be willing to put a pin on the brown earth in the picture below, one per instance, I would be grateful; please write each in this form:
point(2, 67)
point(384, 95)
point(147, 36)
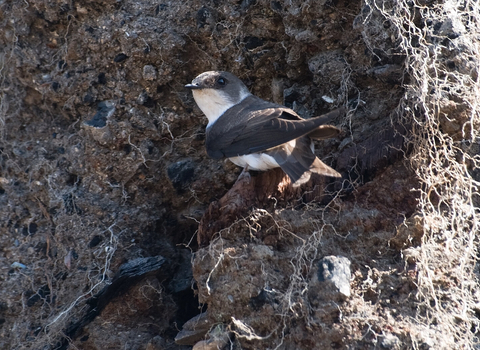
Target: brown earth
point(103, 165)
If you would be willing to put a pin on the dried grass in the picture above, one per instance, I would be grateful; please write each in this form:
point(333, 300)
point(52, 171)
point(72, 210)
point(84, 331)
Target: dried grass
point(442, 58)
point(441, 45)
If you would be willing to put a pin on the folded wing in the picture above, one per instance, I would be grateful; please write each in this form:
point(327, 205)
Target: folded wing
point(259, 125)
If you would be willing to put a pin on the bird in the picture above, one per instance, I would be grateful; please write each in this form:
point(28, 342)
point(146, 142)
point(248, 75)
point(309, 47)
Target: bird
point(259, 135)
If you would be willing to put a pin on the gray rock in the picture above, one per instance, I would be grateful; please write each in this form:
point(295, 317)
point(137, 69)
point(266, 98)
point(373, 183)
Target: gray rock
point(211, 344)
point(98, 126)
point(452, 27)
point(149, 72)
point(390, 341)
point(194, 330)
point(328, 63)
point(331, 279)
point(157, 343)
point(105, 110)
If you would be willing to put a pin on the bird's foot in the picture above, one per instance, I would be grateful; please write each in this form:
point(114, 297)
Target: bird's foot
point(244, 175)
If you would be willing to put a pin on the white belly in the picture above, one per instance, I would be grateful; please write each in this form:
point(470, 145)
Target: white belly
point(255, 161)
point(262, 161)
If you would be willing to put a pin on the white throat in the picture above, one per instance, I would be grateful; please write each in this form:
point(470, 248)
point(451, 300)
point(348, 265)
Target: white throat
point(214, 103)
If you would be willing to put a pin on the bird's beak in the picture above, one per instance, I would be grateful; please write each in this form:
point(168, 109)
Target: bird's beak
point(193, 86)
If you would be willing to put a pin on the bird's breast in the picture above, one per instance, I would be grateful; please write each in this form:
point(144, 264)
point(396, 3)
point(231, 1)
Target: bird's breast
point(214, 103)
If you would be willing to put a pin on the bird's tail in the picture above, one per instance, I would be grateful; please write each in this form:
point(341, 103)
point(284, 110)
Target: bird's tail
point(298, 161)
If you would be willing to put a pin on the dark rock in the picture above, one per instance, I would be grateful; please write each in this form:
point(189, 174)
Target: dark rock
point(102, 78)
point(181, 174)
point(205, 16)
point(128, 275)
point(95, 241)
point(257, 302)
point(55, 86)
point(145, 100)
point(62, 64)
point(120, 57)
point(42, 293)
point(160, 7)
point(105, 109)
point(252, 42)
point(32, 228)
point(127, 148)
point(98, 126)
point(183, 278)
point(70, 205)
point(247, 3)
point(292, 94)
point(451, 28)
point(3, 306)
point(88, 98)
point(276, 6)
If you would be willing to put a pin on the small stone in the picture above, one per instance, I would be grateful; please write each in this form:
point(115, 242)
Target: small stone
point(218, 340)
point(390, 341)
point(181, 174)
point(306, 36)
point(98, 126)
point(261, 252)
point(95, 241)
point(105, 110)
point(102, 78)
point(157, 343)
point(194, 330)
point(17, 265)
point(211, 344)
point(331, 280)
point(120, 57)
point(149, 72)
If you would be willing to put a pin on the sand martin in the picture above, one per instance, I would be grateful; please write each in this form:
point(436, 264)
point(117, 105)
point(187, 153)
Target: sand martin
point(257, 134)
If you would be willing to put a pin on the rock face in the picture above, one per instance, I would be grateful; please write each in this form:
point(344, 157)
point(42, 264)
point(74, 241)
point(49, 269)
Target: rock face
point(103, 170)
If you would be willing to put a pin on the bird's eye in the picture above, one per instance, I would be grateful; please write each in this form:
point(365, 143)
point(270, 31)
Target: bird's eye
point(221, 81)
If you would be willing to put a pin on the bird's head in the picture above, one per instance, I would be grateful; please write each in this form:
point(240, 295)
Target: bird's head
point(216, 91)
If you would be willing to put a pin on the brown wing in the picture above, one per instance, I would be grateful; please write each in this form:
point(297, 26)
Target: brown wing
point(258, 125)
